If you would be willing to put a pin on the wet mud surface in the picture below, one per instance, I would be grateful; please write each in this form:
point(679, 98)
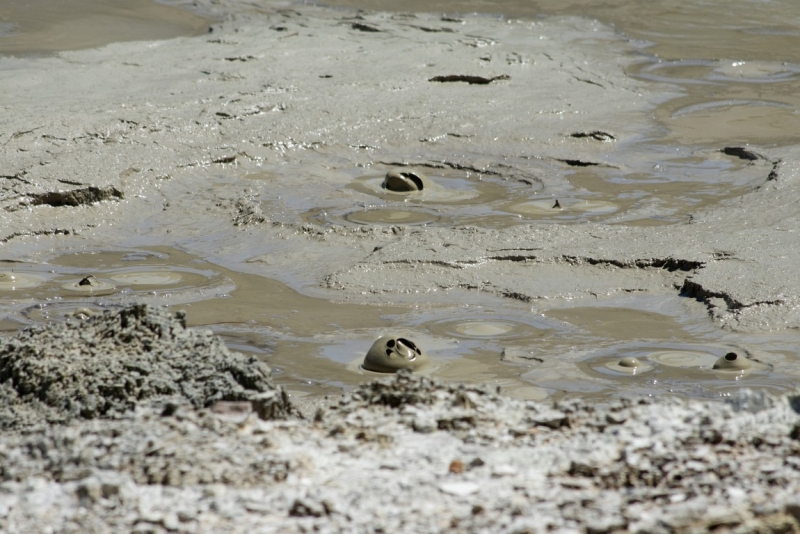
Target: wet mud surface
point(38, 27)
point(604, 272)
point(252, 172)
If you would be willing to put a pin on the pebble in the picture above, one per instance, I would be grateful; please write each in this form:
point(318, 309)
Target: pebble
point(460, 489)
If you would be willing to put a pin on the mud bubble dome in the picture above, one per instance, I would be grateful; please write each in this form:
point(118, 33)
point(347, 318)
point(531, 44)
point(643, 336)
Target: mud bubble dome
point(389, 354)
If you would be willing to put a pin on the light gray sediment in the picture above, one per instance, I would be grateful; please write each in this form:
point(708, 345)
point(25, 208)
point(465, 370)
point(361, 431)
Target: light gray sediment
point(409, 454)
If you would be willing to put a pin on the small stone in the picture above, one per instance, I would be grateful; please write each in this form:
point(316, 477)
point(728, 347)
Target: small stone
point(456, 467)
point(309, 508)
point(459, 489)
point(503, 470)
point(186, 515)
point(271, 405)
point(170, 521)
point(424, 424)
point(89, 490)
point(551, 419)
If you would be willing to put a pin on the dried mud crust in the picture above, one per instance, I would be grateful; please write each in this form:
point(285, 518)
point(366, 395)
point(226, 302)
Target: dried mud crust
point(411, 454)
point(110, 363)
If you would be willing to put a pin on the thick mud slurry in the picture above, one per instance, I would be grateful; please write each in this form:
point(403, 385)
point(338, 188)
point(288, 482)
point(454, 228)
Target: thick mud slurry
point(585, 239)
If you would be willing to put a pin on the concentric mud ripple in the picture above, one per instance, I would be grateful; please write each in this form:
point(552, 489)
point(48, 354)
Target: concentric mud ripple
point(559, 209)
point(705, 71)
point(685, 358)
point(439, 189)
point(14, 280)
point(136, 272)
point(147, 278)
point(704, 108)
point(391, 216)
point(484, 329)
point(679, 363)
point(666, 189)
point(84, 282)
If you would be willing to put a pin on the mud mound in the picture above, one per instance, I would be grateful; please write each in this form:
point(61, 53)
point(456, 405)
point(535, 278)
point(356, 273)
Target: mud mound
point(113, 362)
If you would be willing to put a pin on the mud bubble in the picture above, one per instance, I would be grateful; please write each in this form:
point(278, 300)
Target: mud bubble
point(404, 185)
point(629, 365)
point(91, 285)
point(389, 354)
point(403, 181)
point(733, 362)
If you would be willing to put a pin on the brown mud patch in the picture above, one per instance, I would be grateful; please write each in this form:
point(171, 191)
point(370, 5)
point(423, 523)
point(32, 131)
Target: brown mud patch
point(45, 26)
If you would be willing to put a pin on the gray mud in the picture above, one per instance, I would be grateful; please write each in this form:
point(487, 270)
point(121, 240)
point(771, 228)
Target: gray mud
point(579, 212)
point(237, 130)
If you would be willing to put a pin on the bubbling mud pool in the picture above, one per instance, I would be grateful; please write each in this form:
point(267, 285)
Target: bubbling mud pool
point(662, 185)
point(318, 347)
point(531, 351)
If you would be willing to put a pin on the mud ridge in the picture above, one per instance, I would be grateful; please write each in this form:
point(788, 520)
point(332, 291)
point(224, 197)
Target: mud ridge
point(472, 80)
point(669, 264)
point(443, 165)
point(742, 153)
point(581, 163)
point(697, 291)
point(457, 264)
point(76, 197)
point(513, 258)
point(773, 174)
point(597, 135)
point(55, 231)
